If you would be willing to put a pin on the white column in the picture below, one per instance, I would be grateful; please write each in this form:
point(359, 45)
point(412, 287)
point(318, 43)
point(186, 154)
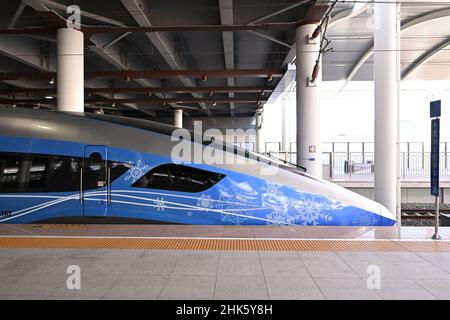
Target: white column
point(285, 142)
point(70, 70)
point(386, 103)
point(285, 124)
point(399, 80)
point(178, 118)
point(258, 123)
point(309, 153)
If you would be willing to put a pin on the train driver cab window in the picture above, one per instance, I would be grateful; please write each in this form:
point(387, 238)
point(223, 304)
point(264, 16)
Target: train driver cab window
point(178, 178)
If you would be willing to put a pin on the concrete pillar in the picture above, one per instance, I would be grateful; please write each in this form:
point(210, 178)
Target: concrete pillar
point(399, 80)
point(285, 124)
point(258, 123)
point(285, 141)
point(309, 154)
point(70, 70)
point(386, 103)
point(178, 118)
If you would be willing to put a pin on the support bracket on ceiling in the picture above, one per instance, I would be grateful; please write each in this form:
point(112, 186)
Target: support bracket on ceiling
point(310, 82)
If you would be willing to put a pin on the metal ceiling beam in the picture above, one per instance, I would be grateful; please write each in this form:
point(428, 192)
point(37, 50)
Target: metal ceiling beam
point(17, 15)
point(273, 39)
point(115, 40)
point(251, 73)
point(357, 9)
point(161, 43)
point(35, 4)
point(39, 5)
point(140, 100)
point(144, 74)
point(273, 14)
point(45, 5)
point(278, 12)
point(112, 55)
point(425, 57)
point(226, 18)
point(90, 30)
point(424, 18)
point(26, 51)
point(143, 90)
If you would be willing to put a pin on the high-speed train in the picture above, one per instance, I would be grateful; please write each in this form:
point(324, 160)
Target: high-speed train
point(62, 167)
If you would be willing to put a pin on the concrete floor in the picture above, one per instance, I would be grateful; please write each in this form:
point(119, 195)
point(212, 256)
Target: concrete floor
point(160, 274)
point(37, 273)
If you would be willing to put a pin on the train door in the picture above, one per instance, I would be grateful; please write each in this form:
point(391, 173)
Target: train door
point(95, 181)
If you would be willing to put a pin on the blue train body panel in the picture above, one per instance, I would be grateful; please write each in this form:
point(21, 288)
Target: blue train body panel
point(237, 199)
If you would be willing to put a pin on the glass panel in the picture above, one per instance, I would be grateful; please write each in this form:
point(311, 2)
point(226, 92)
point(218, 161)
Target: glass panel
point(94, 175)
point(50, 173)
point(178, 178)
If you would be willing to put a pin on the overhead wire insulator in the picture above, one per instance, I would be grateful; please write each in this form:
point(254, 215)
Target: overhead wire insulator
point(315, 73)
point(316, 32)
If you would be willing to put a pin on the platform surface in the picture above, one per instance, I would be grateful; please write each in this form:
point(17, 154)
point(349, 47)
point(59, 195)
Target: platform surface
point(223, 262)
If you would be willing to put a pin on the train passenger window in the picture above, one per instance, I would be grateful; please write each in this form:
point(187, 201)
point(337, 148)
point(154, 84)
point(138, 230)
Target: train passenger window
point(46, 173)
point(178, 178)
point(95, 162)
point(18, 172)
point(9, 171)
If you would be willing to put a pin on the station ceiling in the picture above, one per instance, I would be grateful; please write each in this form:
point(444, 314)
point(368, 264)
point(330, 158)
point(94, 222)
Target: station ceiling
point(425, 41)
point(143, 58)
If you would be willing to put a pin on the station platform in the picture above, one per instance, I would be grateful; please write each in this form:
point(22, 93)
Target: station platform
point(223, 262)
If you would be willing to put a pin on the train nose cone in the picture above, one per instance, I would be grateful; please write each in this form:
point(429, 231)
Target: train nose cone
point(387, 217)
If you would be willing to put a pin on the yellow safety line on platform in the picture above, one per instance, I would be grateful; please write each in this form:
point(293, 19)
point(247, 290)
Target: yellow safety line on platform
point(223, 244)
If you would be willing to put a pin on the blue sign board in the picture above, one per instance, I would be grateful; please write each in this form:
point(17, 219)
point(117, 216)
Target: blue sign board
point(435, 109)
point(435, 124)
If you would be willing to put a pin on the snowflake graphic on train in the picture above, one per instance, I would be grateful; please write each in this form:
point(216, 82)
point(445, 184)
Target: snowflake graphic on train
point(137, 171)
point(304, 209)
point(160, 204)
point(278, 218)
point(272, 189)
point(274, 198)
point(364, 220)
point(235, 208)
point(205, 202)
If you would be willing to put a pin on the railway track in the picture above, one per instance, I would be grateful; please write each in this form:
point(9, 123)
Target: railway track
point(421, 213)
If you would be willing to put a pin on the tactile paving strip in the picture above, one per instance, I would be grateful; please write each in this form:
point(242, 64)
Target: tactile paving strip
point(224, 244)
